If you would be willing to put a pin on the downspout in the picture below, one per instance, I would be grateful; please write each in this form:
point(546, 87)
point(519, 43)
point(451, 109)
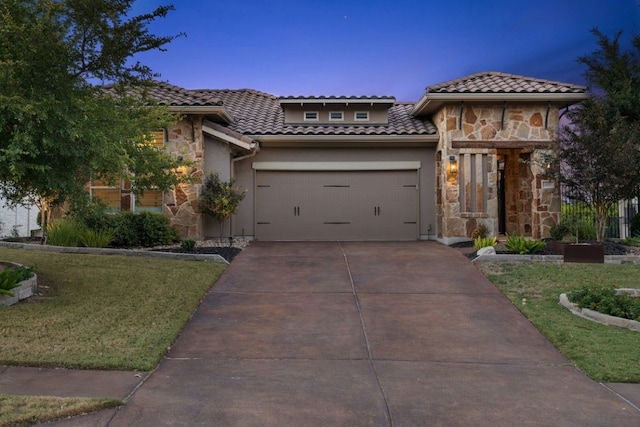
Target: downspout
point(255, 147)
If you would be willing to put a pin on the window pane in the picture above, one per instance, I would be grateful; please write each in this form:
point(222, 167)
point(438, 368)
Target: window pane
point(151, 200)
point(108, 196)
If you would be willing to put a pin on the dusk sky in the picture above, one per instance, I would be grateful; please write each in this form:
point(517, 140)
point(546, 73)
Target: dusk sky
point(377, 47)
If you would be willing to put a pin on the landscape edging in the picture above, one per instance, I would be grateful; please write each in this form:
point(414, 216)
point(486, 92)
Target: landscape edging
point(111, 251)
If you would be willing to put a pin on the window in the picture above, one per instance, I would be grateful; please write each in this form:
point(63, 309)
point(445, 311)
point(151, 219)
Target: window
point(311, 116)
point(361, 116)
point(107, 194)
point(336, 116)
point(150, 201)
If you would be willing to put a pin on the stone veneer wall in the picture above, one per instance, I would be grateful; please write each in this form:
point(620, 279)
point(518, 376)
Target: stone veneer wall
point(185, 139)
point(531, 209)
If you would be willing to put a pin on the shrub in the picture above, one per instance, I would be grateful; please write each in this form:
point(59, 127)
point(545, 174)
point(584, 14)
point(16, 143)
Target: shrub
point(603, 299)
point(521, 245)
point(481, 231)
point(188, 244)
point(560, 231)
point(93, 215)
point(634, 225)
point(10, 278)
point(483, 242)
point(95, 239)
point(64, 232)
point(631, 241)
point(142, 229)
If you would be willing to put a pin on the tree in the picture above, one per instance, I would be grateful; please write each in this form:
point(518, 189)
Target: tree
point(600, 148)
point(219, 199)
point(58, 126)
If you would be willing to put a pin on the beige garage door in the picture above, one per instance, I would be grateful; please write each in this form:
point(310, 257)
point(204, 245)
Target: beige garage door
point(337, 205)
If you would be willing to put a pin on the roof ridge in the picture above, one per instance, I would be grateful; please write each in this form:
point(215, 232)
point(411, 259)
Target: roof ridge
point(244, 90)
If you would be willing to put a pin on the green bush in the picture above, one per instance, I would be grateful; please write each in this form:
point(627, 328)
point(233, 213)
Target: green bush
point(188, 244)
point(521, 245)
point(145, 229)
point(603, 299)
point(560, 231)
point(64, 232)
point(483, 242)
point(95, 239)
point(10, 278)
point(634, 225)
point(631, 241)
point(93, 215)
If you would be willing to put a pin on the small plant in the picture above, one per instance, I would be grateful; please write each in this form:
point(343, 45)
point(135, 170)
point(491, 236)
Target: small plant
point(484, 242)
point(10, 278)
point(604, 299)
point(188, 244)
point(560, 231)
point(631, 241)
point(95, 239)
point(481, 231)
point(219, 199)
point(523, 246)
point(64, 232)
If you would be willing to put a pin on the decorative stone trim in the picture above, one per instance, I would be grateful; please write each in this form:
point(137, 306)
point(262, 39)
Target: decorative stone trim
point(26, 289)
point(598, 317)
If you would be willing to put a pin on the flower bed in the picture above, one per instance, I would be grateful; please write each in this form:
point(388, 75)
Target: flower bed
point(25, 288)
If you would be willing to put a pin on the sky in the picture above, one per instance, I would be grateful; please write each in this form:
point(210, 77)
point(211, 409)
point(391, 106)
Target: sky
point(377, 47)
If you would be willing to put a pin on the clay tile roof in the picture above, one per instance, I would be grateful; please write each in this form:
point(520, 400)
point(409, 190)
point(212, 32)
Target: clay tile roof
point(258, 113)
point(495, 82)
point(175, 96)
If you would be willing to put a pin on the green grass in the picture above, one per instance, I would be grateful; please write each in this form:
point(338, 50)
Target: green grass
point(101, 312)
point(18, 411)
point(604, 353)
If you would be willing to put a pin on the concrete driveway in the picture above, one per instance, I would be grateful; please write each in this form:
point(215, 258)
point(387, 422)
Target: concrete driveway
point(363, 334)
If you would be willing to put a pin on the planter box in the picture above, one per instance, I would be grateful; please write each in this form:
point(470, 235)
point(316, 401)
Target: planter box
point(579, 252)
point(25, 290)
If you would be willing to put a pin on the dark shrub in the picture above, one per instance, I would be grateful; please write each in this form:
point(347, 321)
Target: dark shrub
point(635, 225)
point(145, 229)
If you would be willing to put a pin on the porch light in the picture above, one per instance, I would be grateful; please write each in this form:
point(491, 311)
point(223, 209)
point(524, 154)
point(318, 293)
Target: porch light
point(452, 169)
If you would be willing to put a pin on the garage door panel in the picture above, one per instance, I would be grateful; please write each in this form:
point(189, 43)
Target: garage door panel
point(345, 205)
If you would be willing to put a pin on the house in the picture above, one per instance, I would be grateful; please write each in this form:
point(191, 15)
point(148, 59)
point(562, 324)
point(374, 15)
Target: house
point(470, 151)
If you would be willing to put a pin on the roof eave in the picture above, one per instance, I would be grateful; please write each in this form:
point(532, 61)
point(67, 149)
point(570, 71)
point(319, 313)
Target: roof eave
point(354, 138)
point(336, 101)
point(206, 110)
point(430, 102)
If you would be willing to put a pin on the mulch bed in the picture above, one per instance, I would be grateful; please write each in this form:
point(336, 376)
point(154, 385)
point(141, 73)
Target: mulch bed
point(610, 248)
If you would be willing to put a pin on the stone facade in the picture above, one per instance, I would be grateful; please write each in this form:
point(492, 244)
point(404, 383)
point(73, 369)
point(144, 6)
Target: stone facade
point(184, 139)
point(488, 141)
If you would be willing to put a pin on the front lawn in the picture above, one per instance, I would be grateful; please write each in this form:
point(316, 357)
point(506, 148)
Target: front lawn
point(101, 312)
point(605, 353)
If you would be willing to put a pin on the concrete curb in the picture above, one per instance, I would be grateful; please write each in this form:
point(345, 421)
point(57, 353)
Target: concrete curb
point(557, 259)
point(598, 317)
point(110, 251)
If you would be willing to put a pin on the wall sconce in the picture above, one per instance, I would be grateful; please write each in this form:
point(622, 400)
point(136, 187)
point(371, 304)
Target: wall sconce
point(452, 169)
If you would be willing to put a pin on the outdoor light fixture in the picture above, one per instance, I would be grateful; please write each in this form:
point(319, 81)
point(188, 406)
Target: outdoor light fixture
point(452, 169)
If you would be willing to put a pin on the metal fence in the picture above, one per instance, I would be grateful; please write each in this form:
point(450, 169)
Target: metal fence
point(619, 220)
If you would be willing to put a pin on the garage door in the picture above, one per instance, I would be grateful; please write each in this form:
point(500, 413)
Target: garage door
point(336, 205)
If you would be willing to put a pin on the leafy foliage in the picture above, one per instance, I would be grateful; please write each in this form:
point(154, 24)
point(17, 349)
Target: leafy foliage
point(521, 245)
point(10, 278)
point(601, 147)
point(483, 242)
point(95, 238)
point(188, 245)
point(64, 232)
point(142, 229)
point(605, 299)
point(219, 199)
point(58, 126)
